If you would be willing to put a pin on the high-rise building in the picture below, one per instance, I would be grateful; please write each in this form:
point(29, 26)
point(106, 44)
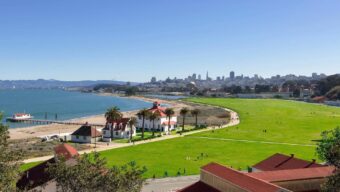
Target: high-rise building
point(314, 75)
point(153, 80)
point(194, 76)
point(232, 75)
point(199, 77)
point(207, 76)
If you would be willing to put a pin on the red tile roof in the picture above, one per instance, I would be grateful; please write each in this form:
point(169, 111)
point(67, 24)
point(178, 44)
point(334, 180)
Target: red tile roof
point(294, 174)
point(65, 150)
point(280, 162)
point(240, 179)
point(87, 130)
point(157, 108)
point(199, 187)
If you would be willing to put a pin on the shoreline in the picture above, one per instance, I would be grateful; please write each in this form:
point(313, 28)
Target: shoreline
point(35, 131)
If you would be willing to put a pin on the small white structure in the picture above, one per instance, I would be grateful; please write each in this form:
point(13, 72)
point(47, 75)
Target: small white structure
point(161, 123)
point(118, 129)
point(86, 134)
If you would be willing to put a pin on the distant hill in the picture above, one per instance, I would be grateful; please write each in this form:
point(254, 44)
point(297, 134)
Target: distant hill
point(52, 84)
point(329, 87)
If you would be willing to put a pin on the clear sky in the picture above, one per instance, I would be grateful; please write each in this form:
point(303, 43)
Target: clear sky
point(135, 40)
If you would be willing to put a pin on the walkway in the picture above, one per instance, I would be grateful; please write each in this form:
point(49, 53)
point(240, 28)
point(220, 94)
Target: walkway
point(254, 141)
point(234, 120)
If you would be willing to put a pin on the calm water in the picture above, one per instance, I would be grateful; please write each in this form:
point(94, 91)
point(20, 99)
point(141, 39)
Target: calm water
point(67, 105)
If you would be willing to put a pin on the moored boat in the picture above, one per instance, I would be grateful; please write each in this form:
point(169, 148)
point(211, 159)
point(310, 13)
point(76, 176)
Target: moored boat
point(20, 116)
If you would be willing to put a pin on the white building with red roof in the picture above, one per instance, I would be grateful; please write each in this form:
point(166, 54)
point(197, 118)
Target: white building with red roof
point(118, 129)
point(161, 123)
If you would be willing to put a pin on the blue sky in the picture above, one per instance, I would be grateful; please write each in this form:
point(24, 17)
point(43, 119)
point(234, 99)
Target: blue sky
point(135, 40)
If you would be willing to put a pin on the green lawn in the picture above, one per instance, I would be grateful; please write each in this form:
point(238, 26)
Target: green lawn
point(26, 166)
point(285, 121)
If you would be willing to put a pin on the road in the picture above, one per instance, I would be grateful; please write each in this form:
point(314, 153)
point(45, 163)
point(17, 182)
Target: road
point(169, 184)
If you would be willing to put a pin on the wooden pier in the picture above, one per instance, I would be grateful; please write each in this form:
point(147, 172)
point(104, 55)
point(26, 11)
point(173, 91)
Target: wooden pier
point(43, 121)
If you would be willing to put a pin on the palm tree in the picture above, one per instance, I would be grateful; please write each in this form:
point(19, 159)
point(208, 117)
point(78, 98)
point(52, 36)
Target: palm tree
point(153, 117)
point(144, 113)
point(132, 122)
point(169, 113)
point(195, 112)
point(184, 111)
point(113, 114)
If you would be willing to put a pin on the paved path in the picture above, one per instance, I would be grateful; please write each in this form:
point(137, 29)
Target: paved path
point(234, 120)
point(254, 141)
point(169, 184)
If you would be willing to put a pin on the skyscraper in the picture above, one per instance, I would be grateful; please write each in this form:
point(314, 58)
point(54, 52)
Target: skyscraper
point(207, 76)
point(232, 75)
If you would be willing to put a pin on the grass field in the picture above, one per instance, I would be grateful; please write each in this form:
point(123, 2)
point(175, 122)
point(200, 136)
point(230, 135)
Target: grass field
point(284, 122)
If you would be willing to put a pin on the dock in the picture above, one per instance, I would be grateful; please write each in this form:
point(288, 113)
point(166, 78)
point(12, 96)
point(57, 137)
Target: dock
point(44, 121)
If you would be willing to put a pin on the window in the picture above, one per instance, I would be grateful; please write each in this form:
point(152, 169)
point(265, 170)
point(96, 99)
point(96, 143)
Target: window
point(116, 132)
point(84, 137)
point(77, 136)
point(128, 133)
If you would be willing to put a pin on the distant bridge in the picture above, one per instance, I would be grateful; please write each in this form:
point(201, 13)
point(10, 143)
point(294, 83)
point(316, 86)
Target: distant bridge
point(43, 121)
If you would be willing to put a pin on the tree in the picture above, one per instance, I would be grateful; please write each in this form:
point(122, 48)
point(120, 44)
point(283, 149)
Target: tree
point(89, 173)
point(328, 150)
point(143, 114)
point(132, 122)
point(113, 114)
point(184, 111)
point(195, 113)
point(169, 112)
point(153, 117)
point(9, 162)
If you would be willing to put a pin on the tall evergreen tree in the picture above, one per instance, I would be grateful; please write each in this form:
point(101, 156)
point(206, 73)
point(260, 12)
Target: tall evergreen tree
point(9, 162)
point(328, 150)
point(89, 173)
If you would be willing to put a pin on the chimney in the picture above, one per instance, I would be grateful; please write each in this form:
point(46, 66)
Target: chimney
point(291, 155)
point(313, 160)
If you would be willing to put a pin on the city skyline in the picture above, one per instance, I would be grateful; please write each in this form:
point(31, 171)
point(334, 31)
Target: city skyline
point(133, 41)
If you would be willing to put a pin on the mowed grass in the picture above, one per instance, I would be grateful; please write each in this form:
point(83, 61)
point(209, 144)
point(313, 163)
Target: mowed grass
point(285, 121)
point(185, 153)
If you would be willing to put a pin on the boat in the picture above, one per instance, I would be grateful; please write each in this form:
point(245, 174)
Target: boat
point(20, 117)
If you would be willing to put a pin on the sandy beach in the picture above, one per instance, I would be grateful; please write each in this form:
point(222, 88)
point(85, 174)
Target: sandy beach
point(50, 129)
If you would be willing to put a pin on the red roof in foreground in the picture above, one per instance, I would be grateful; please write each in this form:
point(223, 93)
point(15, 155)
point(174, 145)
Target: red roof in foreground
point(199, 187)
point(65, 150)
point(294, 174)
point(280, 162)
point(240, 179)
